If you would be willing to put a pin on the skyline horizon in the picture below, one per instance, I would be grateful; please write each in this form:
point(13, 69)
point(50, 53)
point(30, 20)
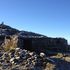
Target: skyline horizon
point(34, 32)
point(48, 17)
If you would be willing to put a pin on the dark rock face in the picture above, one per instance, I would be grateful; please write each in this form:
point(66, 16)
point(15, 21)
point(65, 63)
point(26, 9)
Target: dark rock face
point(10, 37)
point(53, 44)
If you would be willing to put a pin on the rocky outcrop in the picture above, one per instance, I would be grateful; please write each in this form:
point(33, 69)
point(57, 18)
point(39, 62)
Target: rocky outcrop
point(7, 30)
point(49, 44)
point(22, 50)
point(11, 38)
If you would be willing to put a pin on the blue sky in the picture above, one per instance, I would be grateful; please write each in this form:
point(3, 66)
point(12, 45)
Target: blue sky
point(48, 17)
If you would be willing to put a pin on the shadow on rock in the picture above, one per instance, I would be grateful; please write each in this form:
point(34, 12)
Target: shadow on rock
point(61, 64)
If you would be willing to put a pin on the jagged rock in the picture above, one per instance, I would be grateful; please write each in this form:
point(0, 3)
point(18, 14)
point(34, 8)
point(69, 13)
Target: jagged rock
point(11, 38)
point(28, 50)
point(7, 30)
point(32, 61)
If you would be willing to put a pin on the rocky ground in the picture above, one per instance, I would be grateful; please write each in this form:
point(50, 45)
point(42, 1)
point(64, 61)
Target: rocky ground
point(13, 58)
point(18, 59)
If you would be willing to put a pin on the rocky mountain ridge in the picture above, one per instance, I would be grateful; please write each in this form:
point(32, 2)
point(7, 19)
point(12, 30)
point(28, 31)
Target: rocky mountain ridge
point(23, 50)
point(11, 38)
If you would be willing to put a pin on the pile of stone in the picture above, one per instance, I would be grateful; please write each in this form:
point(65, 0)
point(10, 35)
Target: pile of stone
point(19, 59)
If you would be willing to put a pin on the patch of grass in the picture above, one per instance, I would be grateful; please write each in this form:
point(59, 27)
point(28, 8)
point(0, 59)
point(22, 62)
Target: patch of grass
point(10, 44)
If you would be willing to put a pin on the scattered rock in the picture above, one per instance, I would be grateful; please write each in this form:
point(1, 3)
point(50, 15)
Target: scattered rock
point(22, 50)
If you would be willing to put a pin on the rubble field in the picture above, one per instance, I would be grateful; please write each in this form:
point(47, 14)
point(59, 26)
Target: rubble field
point(23, 50)
point(18, 59)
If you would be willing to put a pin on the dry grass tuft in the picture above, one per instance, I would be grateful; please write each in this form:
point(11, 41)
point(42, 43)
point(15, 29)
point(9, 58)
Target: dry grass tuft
point(11, 43)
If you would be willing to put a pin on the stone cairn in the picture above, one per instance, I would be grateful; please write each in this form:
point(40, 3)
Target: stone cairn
point(18, 59)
